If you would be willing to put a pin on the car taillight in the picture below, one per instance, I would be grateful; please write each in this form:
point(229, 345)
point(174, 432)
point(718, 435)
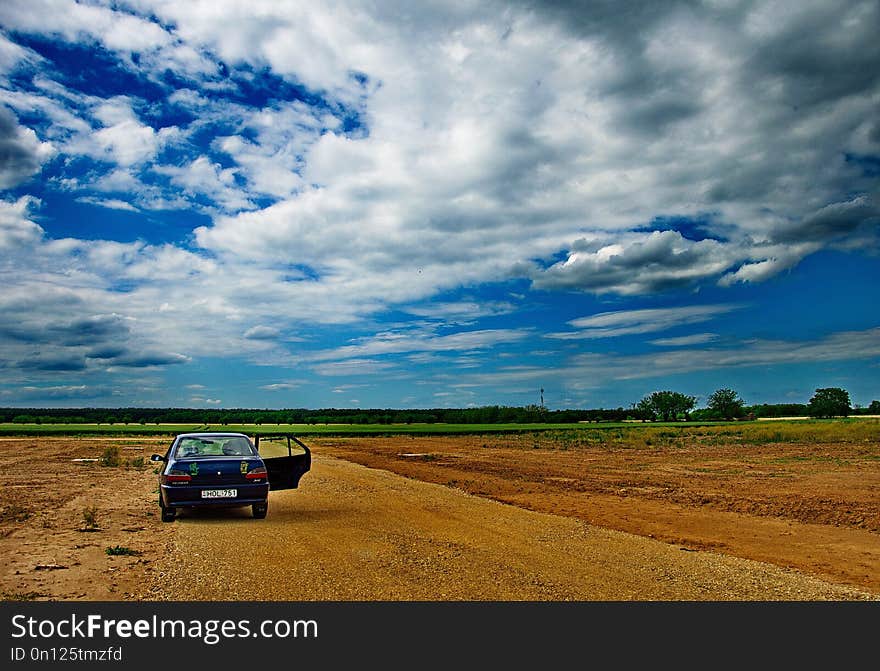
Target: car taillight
point(175, 475)
point(257, 474)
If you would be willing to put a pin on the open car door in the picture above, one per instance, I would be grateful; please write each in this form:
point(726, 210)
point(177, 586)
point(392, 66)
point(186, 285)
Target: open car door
point(286, 457)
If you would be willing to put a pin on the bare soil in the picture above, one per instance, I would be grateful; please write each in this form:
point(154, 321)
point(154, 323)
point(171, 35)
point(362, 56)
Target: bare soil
point(694, 518)
point(812, 507)
point(47, 549)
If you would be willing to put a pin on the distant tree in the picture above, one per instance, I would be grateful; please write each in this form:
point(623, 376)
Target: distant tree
point(668, 405)
point(829, 402)
point(645, 410)
point(874, 408)
point(726, 403)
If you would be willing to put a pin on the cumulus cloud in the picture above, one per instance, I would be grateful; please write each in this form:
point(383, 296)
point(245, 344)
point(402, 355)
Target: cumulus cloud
point(831, 222)
point(358, 158)
point(438, 170)
point(16, 229)
point(115, 29)
point(638, 265)
point(21, 153)
point(205, 177)
point(123, 139)
point(81, 305)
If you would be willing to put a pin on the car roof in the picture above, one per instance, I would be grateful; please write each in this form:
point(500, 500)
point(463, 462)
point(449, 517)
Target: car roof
point(217, 434)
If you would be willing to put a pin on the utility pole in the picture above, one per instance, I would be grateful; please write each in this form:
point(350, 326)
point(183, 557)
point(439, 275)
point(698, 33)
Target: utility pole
point(542, 397)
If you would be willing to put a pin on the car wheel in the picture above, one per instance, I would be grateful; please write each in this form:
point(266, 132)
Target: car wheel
point(260, 510)
point(168, 514)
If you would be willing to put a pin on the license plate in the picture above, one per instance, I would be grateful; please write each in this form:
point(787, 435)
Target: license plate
point(219, 493)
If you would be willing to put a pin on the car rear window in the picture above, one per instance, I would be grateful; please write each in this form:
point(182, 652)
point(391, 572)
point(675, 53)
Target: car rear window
point(215, 446)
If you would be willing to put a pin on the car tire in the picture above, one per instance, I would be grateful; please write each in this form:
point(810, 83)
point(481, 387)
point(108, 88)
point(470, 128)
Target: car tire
point(259, 510)
point(168, 514)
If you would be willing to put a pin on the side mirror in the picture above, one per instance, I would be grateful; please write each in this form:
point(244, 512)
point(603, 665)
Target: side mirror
point(157, 457)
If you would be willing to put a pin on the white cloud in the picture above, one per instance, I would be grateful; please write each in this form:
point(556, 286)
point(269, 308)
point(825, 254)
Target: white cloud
point(123, 140)
point(461, 311)
point(16, 229)
point(353, 367)
point(685, 341)
point(203, 176)
point(489, 143)
point(21, 153)
point(280, 386)
point(11, 54)
point(267, 173)
point(397, 343)
point(261, 332)
point(599, 369)
point(638, 265)
point(628, 322)
point(109, 203)
point(115, 29)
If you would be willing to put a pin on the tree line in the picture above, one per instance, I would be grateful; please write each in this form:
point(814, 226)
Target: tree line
point(723, 404)
point(726, 404)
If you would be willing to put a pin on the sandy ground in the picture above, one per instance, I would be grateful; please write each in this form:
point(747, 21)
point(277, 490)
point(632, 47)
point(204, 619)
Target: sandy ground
point(47, 550)
point(356, 533)
point(812, 507)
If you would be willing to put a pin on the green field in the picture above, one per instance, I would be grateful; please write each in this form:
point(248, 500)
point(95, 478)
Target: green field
point(10, 429)
point(780, 431)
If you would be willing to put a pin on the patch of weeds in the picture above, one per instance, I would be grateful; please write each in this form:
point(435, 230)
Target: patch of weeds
point(19, 596)
point(110, 457)
point(137, 462)
point(121, 551)
point(14, 513)
point(90, 517)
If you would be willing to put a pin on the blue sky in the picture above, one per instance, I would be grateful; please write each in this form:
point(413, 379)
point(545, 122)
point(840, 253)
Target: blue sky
point(263, 204)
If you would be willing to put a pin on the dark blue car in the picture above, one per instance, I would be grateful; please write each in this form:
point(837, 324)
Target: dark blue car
point(227, 469)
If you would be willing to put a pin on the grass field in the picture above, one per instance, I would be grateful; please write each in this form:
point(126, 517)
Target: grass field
point(9, 429)
point(834, 430)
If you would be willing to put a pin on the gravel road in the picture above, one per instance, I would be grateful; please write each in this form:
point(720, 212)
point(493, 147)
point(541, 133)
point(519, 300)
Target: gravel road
point(351, 533)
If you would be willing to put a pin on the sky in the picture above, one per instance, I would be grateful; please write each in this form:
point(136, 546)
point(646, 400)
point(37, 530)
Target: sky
point(438, 204)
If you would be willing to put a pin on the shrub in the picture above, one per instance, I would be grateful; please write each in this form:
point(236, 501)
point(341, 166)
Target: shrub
point(14, 513)
point(90, 517)
point(110, 457)
point(119, 550)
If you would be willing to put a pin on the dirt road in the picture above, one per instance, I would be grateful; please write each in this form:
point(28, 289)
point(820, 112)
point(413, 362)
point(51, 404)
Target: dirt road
point(353, 533)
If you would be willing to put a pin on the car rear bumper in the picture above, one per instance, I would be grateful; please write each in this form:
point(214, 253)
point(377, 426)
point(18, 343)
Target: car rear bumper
point(180, 496)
